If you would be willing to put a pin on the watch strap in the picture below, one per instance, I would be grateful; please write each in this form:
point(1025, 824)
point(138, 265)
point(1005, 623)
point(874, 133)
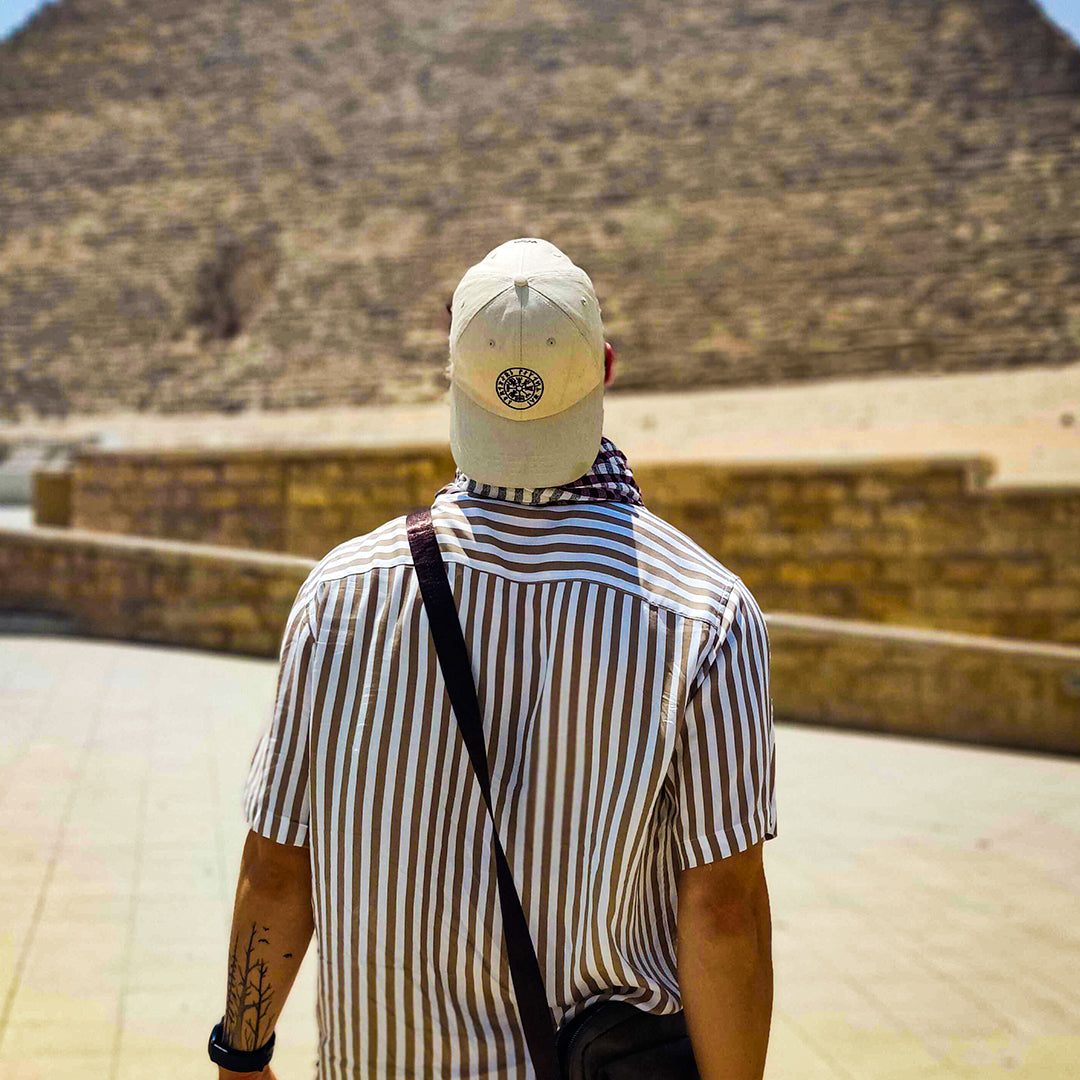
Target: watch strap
point(238, 1060)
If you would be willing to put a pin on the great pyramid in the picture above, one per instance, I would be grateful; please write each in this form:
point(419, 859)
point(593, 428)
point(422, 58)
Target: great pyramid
point(219, 204)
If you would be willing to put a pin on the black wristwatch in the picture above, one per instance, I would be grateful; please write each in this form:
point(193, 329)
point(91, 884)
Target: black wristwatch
point(238, 1060)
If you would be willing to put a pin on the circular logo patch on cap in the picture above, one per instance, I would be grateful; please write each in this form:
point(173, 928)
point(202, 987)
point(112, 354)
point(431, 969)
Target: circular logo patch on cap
point(519, 387)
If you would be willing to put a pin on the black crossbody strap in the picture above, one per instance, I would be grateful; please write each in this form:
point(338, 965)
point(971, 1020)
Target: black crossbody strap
point(457, 674)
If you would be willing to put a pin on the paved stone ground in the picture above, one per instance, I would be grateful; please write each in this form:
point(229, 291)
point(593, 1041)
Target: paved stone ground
point(925, 896)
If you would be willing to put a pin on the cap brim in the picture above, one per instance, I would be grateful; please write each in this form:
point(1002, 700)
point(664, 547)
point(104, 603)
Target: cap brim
point(547, 452)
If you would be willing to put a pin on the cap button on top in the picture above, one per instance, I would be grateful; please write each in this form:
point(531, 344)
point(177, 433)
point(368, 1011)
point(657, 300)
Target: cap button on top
point(521, 281)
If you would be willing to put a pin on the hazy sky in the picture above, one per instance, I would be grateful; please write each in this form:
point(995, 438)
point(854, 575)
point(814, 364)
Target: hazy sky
point(1066, 13)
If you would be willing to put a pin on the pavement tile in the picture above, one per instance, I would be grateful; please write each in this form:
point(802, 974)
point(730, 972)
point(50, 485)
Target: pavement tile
point(872, 1049)
point(20, 879)
point(791, 1057)
point(148, 974)
point(74, 904)
point(1031, 1006)
point(75, 957)
point(171, 868)
point(56, 1066)
point(171, 933)
point(176, 825)
point(16, 918)
point(1052, 1057)
point(171, 1021)
point(936, 1007)
point(1008, 953)
point(98, 873)
point(1004, 1058)
point(94, 822)
point(61, 1022)
point(196, 887)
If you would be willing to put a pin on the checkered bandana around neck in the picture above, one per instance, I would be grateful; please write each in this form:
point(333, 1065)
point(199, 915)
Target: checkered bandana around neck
point(609, 480)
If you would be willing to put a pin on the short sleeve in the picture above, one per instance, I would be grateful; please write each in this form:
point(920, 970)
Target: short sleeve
point(276, 794)
point(724, 756)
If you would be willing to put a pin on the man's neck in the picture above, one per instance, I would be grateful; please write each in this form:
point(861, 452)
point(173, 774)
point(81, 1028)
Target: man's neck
point(610, 479)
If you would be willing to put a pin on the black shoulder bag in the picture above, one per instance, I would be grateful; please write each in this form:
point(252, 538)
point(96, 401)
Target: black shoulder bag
point(610, 1040)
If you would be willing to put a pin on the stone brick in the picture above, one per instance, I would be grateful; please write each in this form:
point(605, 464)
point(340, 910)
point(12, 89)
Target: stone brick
point(1061, 544)
point(872, 489)
point(158, 475)
point(941, 602)
point(844, 571)
point(911, 515)
point(198, 475)
point(1066, 687)
point(304, 495)
point(828, 542)
point(765, 543)
point(880, 603)
point(251, 472)
point(209, 637)
point(837, 601)
point(994, 598)
point(267, 496)
point(1031, 571)
point(252, 642)
point(1029, 625)
point(779, 490)
point(237, 617)
point(802, 517)
point(829, 489)
point(888, 544)
point(974, 570)
point(796, 573)
point(943, 483)
point(744, 516)
point(222, 498)
point(1064, 510)
point(1053, 598)
point(1067, 570)
point(853, 516)
point(185, 498)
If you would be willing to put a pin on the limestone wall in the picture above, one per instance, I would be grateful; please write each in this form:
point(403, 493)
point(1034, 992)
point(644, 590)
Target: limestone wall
point(921, 543)
point(303, 502)
point(912, 543)
point(151, 590)
point(914, 682)
point(962, 687)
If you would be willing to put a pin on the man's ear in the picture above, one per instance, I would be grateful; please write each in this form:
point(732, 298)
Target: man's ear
point(609, 363)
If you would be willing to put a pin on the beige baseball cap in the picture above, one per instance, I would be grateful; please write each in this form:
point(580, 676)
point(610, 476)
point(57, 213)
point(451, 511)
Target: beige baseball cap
point(526, 368)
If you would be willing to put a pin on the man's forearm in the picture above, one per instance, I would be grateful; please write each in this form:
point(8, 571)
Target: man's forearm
point(271, 929)
point(726, 980)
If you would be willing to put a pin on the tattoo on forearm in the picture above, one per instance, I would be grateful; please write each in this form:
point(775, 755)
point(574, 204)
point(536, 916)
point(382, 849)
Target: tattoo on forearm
point(249, 994)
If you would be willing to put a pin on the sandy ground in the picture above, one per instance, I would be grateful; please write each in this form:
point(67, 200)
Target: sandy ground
point(1027, 421)
point(923, 895)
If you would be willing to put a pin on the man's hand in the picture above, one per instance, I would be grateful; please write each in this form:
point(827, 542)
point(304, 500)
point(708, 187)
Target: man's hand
point(271, 928)
point(725, 964)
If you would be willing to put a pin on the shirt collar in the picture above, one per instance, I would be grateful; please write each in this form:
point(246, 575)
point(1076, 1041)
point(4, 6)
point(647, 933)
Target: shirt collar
point(610, 479)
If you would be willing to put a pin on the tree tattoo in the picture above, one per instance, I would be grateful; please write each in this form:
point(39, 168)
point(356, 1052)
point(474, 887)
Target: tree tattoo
point(248, 998)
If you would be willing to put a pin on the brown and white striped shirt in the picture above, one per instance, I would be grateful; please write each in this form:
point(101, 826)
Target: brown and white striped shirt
point(623, 679)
